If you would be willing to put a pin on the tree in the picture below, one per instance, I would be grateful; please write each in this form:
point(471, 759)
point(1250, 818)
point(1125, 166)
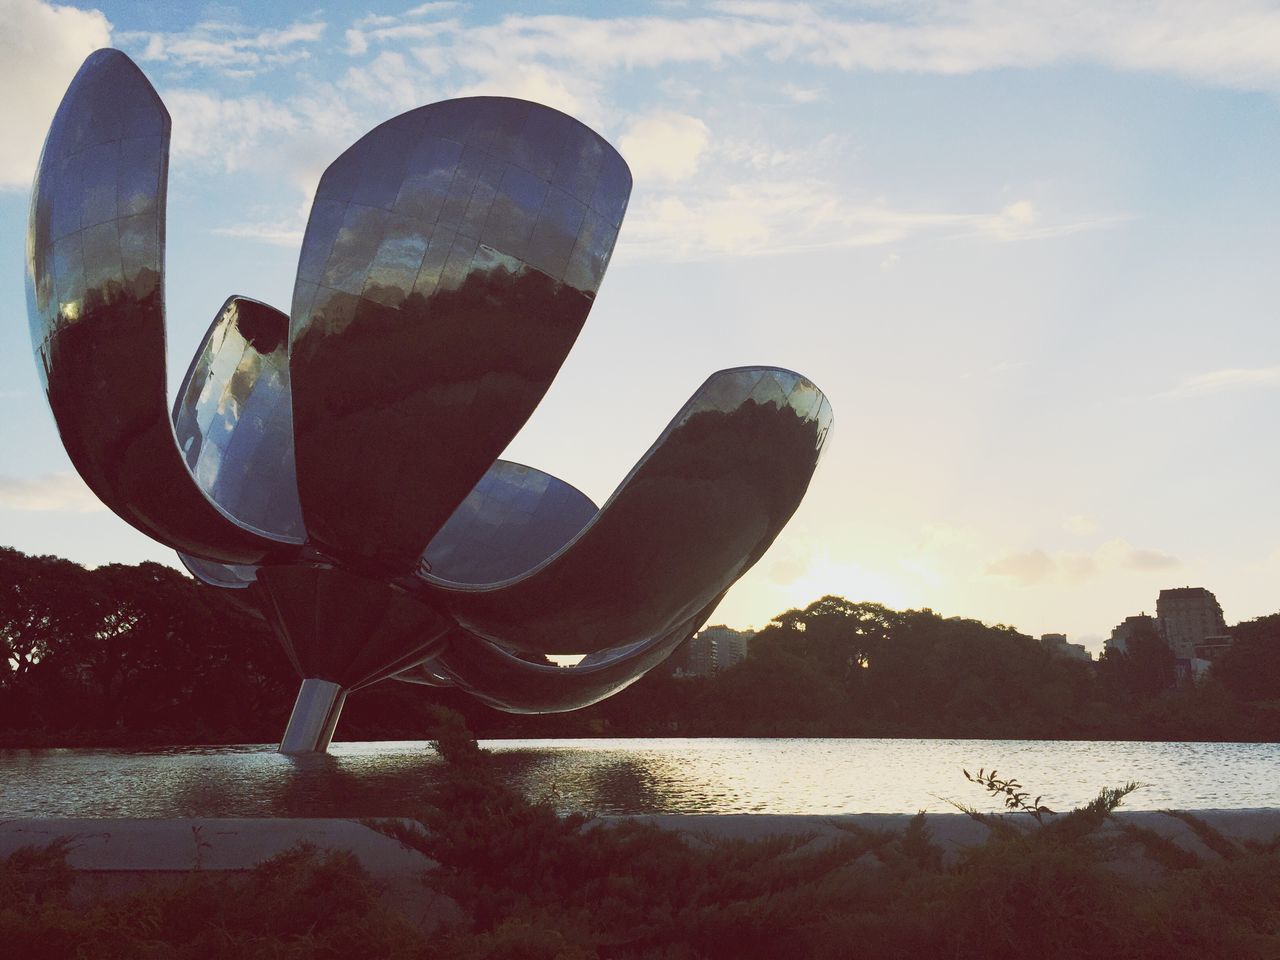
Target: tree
point(1145, 669)
point(1250, 668)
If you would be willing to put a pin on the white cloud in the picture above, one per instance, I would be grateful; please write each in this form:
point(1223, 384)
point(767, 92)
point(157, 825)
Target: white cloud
point(389, 82)
point(357, 42)
point(1217, 381)
point(41, 48)
point(1229, 43)
point(664, 146)
point(439, 6)
point(292, 140)
point(229, 48)
point(531, 81)
point(227, 130)
point(276, 234)
point(765, 10)
point(63, 491)
point(1080, 525)
point(755, 217)
point(803, 94)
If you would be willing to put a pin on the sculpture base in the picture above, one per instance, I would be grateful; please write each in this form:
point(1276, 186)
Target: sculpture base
point(314, 718)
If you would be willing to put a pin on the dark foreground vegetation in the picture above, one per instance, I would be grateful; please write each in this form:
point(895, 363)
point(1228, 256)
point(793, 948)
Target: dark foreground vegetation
point(535, 886)
point(135, 655)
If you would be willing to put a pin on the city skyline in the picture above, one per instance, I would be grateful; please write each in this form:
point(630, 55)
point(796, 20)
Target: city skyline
point(1031, 266)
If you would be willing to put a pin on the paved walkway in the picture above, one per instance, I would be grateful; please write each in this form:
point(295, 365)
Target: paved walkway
point(955, 831)
point(112, 857)
point(146, 846)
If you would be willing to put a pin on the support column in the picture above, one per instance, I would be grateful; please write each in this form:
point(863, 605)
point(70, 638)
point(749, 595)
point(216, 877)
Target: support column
point(331, 723)
point(314, 718)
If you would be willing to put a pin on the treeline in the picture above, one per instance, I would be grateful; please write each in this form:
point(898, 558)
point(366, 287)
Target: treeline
point(143, 654)
point(131, 654)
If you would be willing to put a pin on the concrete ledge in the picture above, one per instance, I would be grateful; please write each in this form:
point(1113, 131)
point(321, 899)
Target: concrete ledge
point(179, 846)
point(118, 857)
point(955, 831)
point(207, 844)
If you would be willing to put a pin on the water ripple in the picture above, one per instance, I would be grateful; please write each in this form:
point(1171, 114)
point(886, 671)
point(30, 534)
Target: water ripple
point(632, 776)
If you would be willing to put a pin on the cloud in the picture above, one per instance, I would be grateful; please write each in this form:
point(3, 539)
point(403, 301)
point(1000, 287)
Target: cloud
point(561, 89)
point(438, 6)
point(1150, 560)
point(291, 140)
point(763, 9)
point(41, 48)
point(1218, 381)
point(1028, 568)
point(227, 48)
point(389, 29)
point(1039, 566)
point(390, 82)
point(225, 129)
point(63, 491)
point(803, 94)
point(765, 217)
point(1230, 43)
point(764, 198)
point(1080, 525)
point(664, 145)
point(277, 234)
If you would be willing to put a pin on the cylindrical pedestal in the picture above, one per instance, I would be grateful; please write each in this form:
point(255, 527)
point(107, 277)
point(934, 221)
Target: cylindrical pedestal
point(314, 718)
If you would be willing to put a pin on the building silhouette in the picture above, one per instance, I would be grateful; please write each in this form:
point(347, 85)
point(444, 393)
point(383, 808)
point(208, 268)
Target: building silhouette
point(714, 650)
point(1189, 616)
point(1189, 620)
point(1057, 645)
point(1125, 631)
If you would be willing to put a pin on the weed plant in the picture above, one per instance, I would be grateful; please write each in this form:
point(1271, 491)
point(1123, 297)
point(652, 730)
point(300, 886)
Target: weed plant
point(537, 885)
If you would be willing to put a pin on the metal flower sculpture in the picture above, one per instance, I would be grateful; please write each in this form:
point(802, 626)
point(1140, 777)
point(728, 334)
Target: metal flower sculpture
point(339, 465)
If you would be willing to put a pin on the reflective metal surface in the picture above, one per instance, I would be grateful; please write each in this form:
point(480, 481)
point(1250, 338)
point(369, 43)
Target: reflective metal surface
point(506, 682)
point(314, 717)
point(695, 513)
point(346, 628)
point(512, 520)
point(450, 260)
point(234, 422)
point(95, 289)
point(338, 468)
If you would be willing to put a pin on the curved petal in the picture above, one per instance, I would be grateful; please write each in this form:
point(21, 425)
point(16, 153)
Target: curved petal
point(513, 519)
point(229, 576)
point(450, 260)
point(695, 513)
point(95, 258)
point(505, 682)
point(234, 421)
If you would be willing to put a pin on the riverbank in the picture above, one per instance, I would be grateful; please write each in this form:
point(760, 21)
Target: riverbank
point(503, 879)
point(133, 847)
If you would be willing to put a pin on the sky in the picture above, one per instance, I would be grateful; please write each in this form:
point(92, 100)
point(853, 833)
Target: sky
point(1027, 249)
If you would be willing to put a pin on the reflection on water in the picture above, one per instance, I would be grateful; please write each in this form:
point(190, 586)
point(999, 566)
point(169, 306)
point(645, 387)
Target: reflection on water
point(630, 776)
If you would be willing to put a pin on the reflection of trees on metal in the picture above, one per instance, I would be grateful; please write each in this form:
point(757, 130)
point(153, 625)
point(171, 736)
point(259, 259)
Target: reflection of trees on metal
point(344, 457)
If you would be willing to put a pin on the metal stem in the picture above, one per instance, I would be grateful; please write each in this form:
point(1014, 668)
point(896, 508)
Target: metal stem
point(314, 718)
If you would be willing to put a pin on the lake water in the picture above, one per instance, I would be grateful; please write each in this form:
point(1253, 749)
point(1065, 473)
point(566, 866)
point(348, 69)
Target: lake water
point(634, 776)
